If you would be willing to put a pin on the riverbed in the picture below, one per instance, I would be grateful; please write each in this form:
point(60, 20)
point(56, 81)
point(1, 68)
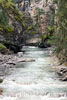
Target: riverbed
point(36, 80)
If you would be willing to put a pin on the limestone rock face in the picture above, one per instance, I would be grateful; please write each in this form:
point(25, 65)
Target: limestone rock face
point(45, 19)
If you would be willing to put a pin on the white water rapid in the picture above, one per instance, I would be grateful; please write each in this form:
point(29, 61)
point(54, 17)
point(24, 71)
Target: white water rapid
point(34, 80)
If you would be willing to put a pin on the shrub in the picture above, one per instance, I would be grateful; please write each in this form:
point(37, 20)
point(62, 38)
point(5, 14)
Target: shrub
point(3, 49)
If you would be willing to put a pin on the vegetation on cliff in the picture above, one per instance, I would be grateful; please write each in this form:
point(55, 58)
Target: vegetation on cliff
point(60, 38)
point(14, 23)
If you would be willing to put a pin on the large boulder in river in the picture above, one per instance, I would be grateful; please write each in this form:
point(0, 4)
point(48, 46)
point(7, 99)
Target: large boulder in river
point(43, 45)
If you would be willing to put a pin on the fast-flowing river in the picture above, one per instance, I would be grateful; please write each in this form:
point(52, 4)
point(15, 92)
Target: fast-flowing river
point(34, 80)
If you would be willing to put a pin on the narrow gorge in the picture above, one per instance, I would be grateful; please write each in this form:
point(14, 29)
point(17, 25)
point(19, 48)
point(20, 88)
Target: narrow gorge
point(33, 50)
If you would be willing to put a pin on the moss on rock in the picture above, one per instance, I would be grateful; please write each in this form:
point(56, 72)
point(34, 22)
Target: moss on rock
point(3, 49)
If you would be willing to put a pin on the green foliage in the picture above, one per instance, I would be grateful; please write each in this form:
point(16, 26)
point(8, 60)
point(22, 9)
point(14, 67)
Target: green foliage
point(2, 46)
point(9, 14)
point(24, 24)
point(10, 29)
point(59, 39)
point(51, 30)
point(14, 1)
point(61, 36)
point(3, 17)
point(40, 11)
point(44, 37)
point(52, 20)
point(34, 32)
point(3, 49)
point(6, 29)
point(30, 27)
point(55, 1)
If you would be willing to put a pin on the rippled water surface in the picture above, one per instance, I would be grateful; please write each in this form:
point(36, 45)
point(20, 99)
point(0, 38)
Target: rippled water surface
point(34, 80)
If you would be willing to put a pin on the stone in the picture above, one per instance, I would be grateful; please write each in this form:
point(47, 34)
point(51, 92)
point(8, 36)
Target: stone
point(59, 73)
point(64, 78)
point(11, 63)
point(1, 80)
point(26, 60)
point(20, 54)
point(62, 71)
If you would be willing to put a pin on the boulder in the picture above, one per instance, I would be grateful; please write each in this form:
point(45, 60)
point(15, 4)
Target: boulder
point(41, 45)
point(64, 78)
point(59, 73)
point(15, 47)
point(20, 54)
point(1, 80)
point(44, 45)
point(62, 71)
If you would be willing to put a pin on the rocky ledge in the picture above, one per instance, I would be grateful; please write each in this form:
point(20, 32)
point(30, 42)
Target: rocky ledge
point(10, 61)
point(61, 69)
point(62, 72)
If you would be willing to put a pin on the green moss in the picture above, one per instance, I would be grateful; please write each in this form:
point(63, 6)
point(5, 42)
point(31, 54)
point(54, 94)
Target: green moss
point(9, 29)
point(30, 27)
point(24, 24)
point(51, 30)
point(3, 49)
point(2, 46)
point(34, 32)
point(6, 28)
point(44, 37)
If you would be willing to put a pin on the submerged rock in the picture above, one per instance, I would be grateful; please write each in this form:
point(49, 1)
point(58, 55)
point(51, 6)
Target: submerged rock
point(26, 60)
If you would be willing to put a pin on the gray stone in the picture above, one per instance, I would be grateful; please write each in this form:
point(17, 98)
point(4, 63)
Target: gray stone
point(64, 78)
point(20, 54)
point(1, 80)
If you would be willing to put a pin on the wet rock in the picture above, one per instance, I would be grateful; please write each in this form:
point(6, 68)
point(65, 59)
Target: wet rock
point(1, 80)
point(26, 60)
point(11, 63)
point(44, 45)
point(64, 78)
point(62, 71)
point(1, 91)
point(13, 47)
point(59, 73)
point(20, 54)
point(41, 45)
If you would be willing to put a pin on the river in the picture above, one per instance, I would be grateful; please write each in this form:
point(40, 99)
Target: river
point(34, 80)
